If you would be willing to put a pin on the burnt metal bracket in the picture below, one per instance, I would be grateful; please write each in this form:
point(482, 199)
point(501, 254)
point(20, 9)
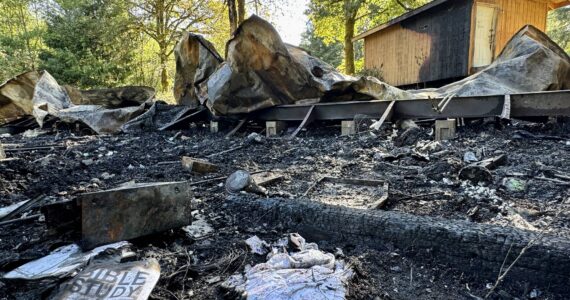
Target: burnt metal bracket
point(309, 117)
point(506, 114)
point(236, 129)
point(187, 118)
point(385, 115)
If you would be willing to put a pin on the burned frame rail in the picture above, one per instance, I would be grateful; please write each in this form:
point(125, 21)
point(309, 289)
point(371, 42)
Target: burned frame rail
point(538, 104)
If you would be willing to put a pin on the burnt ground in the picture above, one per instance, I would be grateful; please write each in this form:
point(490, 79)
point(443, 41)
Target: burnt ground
point(527, 190)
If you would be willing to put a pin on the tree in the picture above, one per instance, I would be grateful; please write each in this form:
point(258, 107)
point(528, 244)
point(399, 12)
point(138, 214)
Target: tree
point(165, 20)
point(558, 27)
point(88, 42)
point(232, 15)
point(20, 37)
point(236, 14)
point(340, 18)
point(331, 53)
point(240, 11)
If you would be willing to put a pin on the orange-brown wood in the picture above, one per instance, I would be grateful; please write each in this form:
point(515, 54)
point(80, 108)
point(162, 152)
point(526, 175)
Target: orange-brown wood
point(401, 53)
point(513, 15)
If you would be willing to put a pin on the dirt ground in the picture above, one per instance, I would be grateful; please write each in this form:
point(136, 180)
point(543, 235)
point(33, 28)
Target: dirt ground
point(528, 189)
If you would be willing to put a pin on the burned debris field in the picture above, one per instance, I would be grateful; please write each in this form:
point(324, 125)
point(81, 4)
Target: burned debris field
point(522, 192)
point(275, 176)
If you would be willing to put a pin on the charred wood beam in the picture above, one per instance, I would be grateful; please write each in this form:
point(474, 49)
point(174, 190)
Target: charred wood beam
point(477, 249)
point(554, 103)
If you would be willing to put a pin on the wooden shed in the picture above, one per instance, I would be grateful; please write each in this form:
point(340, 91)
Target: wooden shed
point(446, 40)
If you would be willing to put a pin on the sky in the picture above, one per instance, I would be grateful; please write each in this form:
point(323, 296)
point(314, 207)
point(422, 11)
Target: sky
point(291, 22)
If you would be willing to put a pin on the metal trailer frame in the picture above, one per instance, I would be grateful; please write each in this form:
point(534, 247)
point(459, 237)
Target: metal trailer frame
point(537, 104)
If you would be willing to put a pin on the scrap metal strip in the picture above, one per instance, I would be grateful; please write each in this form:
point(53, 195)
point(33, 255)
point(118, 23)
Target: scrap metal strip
point(506, 114)
point(385, 115)
point(237, 128)
point(186, 118)
point(309, 117)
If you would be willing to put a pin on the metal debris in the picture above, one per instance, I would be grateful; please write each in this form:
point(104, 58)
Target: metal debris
point(6, 210)
point(25, 206)
point(196, 60)
point(198, 165)
point(131, 212)
point(60, 263)
point(241, 180)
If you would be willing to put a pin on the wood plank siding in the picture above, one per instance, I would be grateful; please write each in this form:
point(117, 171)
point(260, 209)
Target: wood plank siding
point(436, 42)
point(513, 15)
point(430, 46)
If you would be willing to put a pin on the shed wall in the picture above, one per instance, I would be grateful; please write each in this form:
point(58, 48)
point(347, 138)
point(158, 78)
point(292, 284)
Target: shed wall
point(428, 47)
point(513, 15)
point(437, 44)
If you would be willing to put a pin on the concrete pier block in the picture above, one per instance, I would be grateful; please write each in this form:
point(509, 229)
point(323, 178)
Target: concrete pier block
point(214, 127)
point(445, 129)
point(274, 127)
point(348, 128)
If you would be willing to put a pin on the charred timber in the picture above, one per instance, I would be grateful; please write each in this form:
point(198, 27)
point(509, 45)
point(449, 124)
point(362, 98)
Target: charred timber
point(476, 249)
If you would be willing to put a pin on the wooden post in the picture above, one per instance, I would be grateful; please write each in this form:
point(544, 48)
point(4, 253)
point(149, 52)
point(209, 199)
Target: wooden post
point(2, 153)
point(445, 129)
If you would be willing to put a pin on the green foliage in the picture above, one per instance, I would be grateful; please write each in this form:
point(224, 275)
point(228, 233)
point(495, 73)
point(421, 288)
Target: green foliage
point(20, 37)
point(558, 27)
point(374, 72)
point(330, 53)
point(330, 17)
point(104, 43)
point(89, 43)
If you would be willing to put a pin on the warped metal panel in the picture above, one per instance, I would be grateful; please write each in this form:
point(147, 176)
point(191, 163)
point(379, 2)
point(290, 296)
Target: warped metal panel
point(126, 213)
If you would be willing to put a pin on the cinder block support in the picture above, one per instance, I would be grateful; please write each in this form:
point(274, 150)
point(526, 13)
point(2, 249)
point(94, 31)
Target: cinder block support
point(214, 127)
point(348, 128)
point(445, 129)
point(273, 128)
point(2, 153)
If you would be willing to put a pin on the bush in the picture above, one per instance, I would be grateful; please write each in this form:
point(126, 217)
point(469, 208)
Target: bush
point(374, 72)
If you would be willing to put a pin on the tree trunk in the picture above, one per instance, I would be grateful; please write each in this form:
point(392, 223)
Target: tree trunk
point(232, 13)
point(163, 70)
point(477, 249)
point(241, 11)
point(348, 45)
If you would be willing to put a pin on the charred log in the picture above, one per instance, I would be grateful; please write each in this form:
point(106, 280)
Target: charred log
point(477, 249)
